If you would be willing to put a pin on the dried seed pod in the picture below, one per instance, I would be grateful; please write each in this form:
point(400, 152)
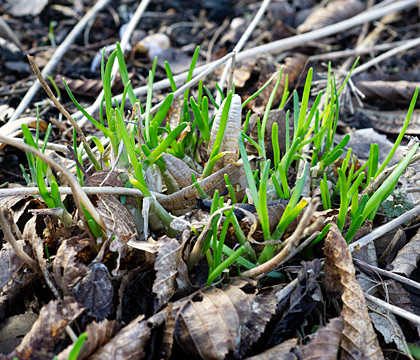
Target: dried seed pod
point(180, 171)
point(230, 138)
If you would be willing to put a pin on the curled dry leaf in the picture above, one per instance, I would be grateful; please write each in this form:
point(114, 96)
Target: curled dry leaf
point(406, 260)
point(98, 334)
point(119, 225)
point(166, 265)
point(359, 339)
point(213, 322)
point(14, 128)
point(10, 263)
point(390, 91)
point(95, 292)
point(68, 269)
point(325, 342)
point(334, 12)
point(229, 143)
point(180, 171)
point(39, 343)
point(188, 196)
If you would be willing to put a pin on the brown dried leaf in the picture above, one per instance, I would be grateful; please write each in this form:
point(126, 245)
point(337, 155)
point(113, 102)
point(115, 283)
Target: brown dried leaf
point(14, 128)
point(119, 224)
point(95, 292)
point(130, 342)
point(24, 8)
point(68, 269)
point(180, 171)
point(391, 122)
point(40, 341)
point(334, 12)
point(10, 263)
point(292, 67)
point(283, 351)
point(359, 339)
point(166, 266)
point(325, 342)
point(98, 334)
point(389, 91)
point(406, 260)
point(208, 325)
point(397, 295)
point(86, 87)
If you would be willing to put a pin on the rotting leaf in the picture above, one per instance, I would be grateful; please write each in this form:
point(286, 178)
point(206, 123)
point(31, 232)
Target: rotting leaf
point(166, 266)
point(359, 339)
point(325, 342)
point(98, 334)
point(208, 325)
point(302, 301)
point(334, 12)
point(39, 343)
point(283, 351)
point(95, 292)
point(407, 258)
point(179, 170)
point(68, 269)
point(10, 263)
point(119, 224)
point(390, 91)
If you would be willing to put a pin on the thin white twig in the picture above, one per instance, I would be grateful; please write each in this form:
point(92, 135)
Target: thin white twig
point(58, 54)
point(394, 309)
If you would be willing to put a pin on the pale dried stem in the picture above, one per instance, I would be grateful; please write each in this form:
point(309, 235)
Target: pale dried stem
point(304, 228)
point(384, 229)
point(58, 54)
point(62, 109)
point(415, 319)
point(374, 269)
point(9, 237)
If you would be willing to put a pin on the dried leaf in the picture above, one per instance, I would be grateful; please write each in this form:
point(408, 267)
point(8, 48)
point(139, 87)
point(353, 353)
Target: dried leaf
point(390, 122)
point(334, 12)
point(389, 91)
point(68, 269)
point(325, 342)
point(359, 339)
point(302, 301)
point(166, 266)
point(209, 323)
point(14, 128)
point(40, 341)
point(130, 342)
point(24, 8)
point(98, 334)
point(406, 260)
point(292, 67)
point(180, 171)
point(397, 295)
point(95, 292)
point(10, 263)
point(119, 225)
point(283, 351)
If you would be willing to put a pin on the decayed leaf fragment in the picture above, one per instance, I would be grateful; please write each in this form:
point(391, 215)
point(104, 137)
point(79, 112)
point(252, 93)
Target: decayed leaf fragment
point(359, 339)
point(98, 334)
point(283, 351)
point(390, 91)
point(334, 12)
point(180, 171)
point(407, 258)
point(40, 341)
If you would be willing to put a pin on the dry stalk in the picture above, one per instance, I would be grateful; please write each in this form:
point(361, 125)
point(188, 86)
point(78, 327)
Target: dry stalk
point(9, 237)
point(63, 110)
point(304, 228)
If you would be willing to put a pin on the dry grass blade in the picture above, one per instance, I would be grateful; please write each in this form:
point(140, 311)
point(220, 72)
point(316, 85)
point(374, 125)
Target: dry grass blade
point(40, 341)
point(335, 11)
point(325, 342)
point(359, 339)
point(407, 258)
